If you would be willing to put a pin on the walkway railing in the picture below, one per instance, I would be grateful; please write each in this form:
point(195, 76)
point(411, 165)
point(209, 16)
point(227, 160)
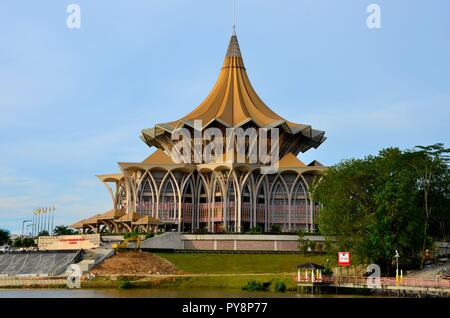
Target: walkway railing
point(380, 282)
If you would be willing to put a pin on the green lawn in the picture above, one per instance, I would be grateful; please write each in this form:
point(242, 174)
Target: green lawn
point(240, 263)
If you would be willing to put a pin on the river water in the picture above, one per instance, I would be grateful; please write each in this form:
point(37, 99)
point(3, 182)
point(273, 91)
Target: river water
point(149, 293)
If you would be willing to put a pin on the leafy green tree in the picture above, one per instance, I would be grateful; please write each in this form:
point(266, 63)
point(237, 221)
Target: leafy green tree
point(17, 242)
point(431, 166)
point(63, 230)
point(4, 236)
point(43, 233)
point(303, 243)
point(372, 206)
point(24, 242)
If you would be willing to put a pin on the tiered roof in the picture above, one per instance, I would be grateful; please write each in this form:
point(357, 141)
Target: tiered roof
point(233, 102)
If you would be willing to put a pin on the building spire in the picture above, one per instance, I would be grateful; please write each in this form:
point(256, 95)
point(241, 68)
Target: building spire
point(234, 17)
point(233, 48)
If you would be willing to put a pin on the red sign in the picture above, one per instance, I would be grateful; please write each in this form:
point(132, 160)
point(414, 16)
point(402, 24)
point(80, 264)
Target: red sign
point(344, 258)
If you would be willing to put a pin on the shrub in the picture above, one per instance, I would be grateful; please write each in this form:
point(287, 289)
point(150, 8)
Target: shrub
point(327, 271)
point(275, 228)
point(319, 247)
point(311, 246)
point(125, 284)
point(256, 230)
point(303, 243)
point(279, 286)
point(17, 242)
point(130, 234)
point(203, 230)
point(253, 285)
point(149, 235)
point(28, 242)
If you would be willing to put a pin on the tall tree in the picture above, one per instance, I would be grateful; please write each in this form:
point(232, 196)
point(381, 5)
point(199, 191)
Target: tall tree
point(372, 207)
point(4, 236)
point(431, 166)
point(63, 230)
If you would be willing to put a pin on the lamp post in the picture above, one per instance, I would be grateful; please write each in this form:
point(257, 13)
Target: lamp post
point(28, 231)
point(397, 256)
point(34, 222)
point(23, 223)
point(52, 209)
point(38, 216)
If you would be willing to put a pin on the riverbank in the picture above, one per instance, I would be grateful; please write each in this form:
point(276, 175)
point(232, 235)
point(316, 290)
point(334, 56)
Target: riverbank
point(218, 281)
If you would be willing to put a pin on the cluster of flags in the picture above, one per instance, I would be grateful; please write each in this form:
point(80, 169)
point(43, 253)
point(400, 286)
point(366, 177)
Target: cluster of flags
point(44, 210)
point(43, 220)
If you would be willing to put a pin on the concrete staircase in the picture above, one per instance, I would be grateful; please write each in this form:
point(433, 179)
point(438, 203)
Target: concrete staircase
point(94, 257)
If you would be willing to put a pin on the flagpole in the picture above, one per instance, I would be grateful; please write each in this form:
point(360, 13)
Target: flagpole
point(41, 226)
point(38, 221)
point(49, 220)
point(53, 218)
point(32, 231)
point(44, 220)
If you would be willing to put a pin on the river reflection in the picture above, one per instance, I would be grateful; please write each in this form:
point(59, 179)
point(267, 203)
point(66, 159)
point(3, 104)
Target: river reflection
point(150, 293)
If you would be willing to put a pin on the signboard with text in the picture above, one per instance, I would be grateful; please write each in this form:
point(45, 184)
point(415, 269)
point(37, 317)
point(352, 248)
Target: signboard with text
point(69, 242)
point(344, 258)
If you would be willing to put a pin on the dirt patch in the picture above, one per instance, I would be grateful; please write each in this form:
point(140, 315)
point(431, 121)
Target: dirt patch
point(432, 271)
point(135, 263)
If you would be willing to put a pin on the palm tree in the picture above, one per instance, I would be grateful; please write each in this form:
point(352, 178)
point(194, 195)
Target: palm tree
point(43, 233)
point(63, 230)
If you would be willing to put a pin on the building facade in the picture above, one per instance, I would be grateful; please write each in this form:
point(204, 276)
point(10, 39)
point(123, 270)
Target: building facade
point(222, 195)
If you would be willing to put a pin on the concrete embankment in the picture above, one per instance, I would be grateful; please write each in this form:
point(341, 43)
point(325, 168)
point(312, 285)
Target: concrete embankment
point(32, 282)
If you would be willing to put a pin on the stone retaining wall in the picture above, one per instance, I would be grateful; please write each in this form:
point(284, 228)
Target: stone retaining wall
point(231, 242)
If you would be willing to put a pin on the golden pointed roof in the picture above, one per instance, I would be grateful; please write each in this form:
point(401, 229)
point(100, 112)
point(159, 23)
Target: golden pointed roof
point(315, 163)
point(290, 161)
point(146, 219)
point(78, 225)
point(233, 102)
point(111, 215)
point(129, 217)
point(159, 157)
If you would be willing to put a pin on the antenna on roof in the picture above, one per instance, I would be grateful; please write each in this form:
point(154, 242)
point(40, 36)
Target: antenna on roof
point(234, 17)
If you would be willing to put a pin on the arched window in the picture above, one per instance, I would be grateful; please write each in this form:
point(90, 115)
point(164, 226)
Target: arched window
point(299, 208)
point(121, 198)
point(217, 208)
point(187, 207)
point(168, 201)
point(246, 207)
point(202, 206)
point(261, 206)
point(146, 197)
point(279, 206)
point(231, 207)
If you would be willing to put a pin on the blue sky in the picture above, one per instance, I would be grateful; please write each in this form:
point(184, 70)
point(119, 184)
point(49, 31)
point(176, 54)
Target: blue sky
point(73, 101)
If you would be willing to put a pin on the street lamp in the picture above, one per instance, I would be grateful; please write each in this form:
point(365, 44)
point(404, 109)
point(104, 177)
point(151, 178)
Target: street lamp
point(28, 231)
point(53, 218)
point(23, 223)
point(397, 256)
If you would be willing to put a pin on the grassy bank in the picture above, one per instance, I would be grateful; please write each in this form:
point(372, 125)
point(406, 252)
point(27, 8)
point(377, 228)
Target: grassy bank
point(227, 271)
point(240, 263)
point(187, 281)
